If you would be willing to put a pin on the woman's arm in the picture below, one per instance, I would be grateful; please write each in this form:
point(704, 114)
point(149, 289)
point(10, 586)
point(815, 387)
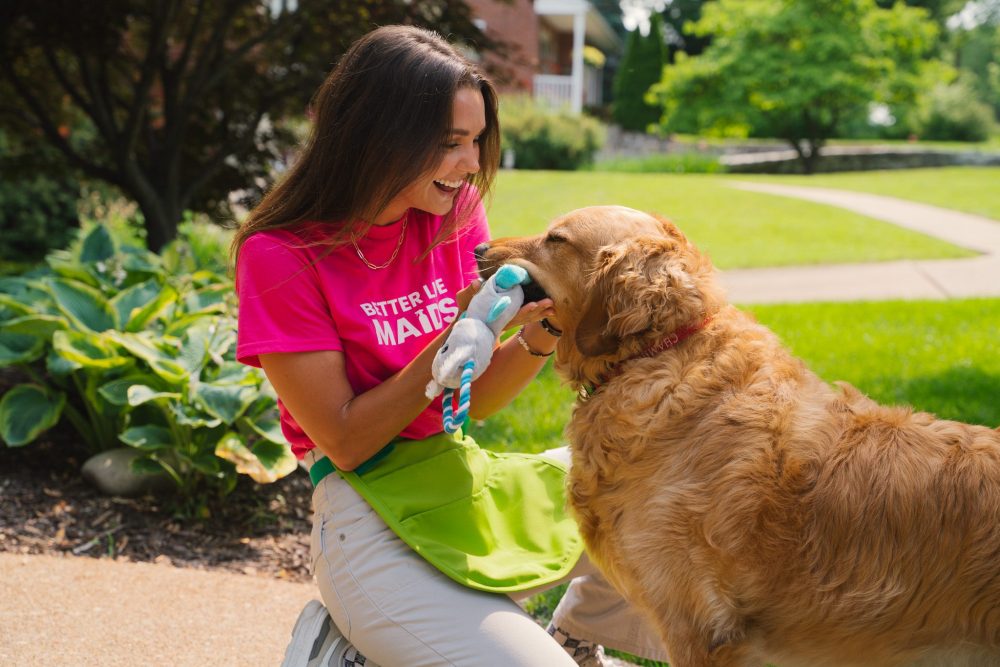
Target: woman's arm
point(350, 428)
point(512, 367)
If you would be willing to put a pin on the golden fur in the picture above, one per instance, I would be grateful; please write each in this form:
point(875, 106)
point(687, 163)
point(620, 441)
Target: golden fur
point(756, 513)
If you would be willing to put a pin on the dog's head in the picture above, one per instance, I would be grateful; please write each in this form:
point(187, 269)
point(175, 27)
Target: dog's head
point(620, 278)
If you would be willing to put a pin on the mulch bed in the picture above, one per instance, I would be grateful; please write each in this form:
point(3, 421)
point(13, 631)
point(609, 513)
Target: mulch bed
point(46, 507)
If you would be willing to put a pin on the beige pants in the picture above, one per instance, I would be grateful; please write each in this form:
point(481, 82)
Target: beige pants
point(399, 610)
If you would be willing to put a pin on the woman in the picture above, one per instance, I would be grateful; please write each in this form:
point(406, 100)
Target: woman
point(349, 273)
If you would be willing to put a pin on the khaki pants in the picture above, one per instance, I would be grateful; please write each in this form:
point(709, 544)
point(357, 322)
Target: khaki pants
point(398, 610)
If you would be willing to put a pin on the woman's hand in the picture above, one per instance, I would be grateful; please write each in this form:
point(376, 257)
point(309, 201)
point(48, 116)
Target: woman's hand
point(465, 295)
point(533, 312)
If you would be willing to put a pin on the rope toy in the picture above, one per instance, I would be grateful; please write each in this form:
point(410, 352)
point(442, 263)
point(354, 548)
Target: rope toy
point(469, 347)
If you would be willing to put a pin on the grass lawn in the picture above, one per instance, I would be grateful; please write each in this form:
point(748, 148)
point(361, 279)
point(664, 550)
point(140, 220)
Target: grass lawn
point(737, 228)
point(970, 189)
point(938, 356)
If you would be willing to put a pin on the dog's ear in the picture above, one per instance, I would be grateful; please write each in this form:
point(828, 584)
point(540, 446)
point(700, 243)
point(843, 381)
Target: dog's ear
point(637, 285)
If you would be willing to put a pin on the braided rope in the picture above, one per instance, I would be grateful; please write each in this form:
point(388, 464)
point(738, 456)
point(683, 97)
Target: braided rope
point(452, 421)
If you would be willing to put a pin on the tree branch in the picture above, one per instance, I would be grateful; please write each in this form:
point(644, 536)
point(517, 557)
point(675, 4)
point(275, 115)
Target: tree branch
point(51, 132)
point(67, 85)
point(156, 47)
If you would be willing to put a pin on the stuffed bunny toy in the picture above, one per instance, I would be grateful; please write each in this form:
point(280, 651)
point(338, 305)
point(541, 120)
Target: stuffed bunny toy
point(469, 347)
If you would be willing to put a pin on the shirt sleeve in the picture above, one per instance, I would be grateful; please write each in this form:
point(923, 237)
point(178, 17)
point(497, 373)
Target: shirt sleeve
point(282, 307)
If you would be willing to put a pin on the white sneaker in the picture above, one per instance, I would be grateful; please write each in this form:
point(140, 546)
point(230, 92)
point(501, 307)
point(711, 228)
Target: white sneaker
point(584, 653)
point(315, 638)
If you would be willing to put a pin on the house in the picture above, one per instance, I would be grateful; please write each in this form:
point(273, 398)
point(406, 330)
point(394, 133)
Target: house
point(548, 40)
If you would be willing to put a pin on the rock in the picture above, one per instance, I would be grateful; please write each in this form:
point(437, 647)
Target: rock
point(111, 472)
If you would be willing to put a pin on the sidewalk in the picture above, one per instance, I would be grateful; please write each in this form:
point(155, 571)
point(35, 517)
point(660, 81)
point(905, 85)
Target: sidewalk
point(924, 279)
point(86, 612)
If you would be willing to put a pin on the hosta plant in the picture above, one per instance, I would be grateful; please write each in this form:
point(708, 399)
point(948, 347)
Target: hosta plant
point(137, 348)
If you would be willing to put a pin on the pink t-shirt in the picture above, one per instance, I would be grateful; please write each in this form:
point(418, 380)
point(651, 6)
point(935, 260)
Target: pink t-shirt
point(379, 319)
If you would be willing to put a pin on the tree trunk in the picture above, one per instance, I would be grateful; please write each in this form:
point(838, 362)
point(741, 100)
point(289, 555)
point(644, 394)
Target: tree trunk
point(161, 221)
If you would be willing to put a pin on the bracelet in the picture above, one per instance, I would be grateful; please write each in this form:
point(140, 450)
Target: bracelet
point(552, 331)
point(527, 348)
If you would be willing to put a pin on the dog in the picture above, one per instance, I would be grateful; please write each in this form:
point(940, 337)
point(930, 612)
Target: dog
point(754, 512)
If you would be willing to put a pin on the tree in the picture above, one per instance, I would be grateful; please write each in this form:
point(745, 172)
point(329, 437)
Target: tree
point(795, 69)
point(175, 102)
point(677, 15)
point(641, 67)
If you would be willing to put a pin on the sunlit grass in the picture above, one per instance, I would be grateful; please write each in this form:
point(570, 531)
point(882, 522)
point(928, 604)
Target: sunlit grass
point(969, 189)
point(737, 228)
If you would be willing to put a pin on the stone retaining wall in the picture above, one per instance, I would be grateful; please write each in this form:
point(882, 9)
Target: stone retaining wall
point(852, 158)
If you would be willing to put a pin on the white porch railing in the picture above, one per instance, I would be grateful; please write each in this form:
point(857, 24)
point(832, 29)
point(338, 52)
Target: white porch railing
point(557, 90)
point(554, 89)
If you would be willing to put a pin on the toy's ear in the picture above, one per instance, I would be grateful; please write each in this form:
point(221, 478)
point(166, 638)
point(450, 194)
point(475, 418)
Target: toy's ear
point(498, 308)
point(509, 275)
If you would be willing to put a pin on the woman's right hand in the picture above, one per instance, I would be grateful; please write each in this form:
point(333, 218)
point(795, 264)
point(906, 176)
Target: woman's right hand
point(464, 296)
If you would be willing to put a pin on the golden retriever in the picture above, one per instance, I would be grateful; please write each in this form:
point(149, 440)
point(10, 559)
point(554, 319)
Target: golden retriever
point(755, 513)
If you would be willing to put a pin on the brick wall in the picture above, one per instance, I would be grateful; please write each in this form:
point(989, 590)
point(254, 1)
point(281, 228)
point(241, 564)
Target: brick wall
point(516, 24)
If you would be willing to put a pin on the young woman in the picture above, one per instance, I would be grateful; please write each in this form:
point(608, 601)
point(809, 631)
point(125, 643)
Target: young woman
point(349, 273)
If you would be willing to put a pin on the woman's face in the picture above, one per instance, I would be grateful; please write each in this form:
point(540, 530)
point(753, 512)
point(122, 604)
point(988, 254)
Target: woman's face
point(435, 190)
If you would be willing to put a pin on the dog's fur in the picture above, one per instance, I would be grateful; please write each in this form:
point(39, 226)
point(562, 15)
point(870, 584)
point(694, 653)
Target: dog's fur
point(756, 513)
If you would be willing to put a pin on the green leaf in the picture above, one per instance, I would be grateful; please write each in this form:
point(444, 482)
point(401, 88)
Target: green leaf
point(88, 350)
point(162, 363)
point(98, 245)
point(207, 299)
point(147, 466)
point(13, 307)
point(28, 410)
point(139, 394)
point(83, 305)
point(147, 438)
point(194, 345)
point(267, 428)
point(20, 349)
point(227, 402)
point(116, 391)
point(189, 415)
point(137, 298)
point(266, 462)
point(59, 366)
point(41, 326)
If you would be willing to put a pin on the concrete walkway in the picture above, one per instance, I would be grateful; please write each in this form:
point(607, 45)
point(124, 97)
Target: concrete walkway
point(906, 279)
point(82, 612)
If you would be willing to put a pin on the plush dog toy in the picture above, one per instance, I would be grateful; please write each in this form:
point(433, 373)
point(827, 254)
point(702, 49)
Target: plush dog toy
point(469, 347)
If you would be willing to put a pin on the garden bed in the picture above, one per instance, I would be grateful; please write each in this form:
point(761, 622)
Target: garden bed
point(49, 509)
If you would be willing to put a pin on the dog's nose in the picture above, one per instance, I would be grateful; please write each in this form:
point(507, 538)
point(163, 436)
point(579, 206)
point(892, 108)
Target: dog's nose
point(481, 249)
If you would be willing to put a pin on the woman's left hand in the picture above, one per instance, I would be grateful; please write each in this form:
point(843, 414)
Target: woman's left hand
point(533, 311)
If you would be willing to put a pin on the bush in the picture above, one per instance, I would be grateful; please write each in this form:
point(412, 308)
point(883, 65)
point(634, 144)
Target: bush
point(666, 163)
point(542, 138)
point(131, 347)
point(955, 113)
point(37, 203)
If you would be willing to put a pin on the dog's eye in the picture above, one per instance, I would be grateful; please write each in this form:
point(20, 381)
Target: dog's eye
point(555, 238)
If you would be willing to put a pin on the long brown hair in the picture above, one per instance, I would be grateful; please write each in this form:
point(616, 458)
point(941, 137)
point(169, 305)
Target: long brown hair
point(380, 121)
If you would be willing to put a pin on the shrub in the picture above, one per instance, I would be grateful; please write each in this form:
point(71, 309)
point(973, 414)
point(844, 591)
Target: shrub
point(641, 67)
point(955, 113)
point(37, 203)
point(128, 346)
point(665, 163)
point(543, 138)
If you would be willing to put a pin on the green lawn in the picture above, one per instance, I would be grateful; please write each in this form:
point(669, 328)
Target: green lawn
point(938, 356)
point(737, 228)
point(970, 189)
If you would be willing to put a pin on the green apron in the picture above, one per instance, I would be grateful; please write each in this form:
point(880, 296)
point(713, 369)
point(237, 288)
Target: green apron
point(491, 521)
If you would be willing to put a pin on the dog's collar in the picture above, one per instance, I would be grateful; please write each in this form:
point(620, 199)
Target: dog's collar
point(672, 340)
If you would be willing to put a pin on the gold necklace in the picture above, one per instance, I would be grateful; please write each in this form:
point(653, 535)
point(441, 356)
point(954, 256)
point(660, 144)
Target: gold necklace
point(399, 244)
